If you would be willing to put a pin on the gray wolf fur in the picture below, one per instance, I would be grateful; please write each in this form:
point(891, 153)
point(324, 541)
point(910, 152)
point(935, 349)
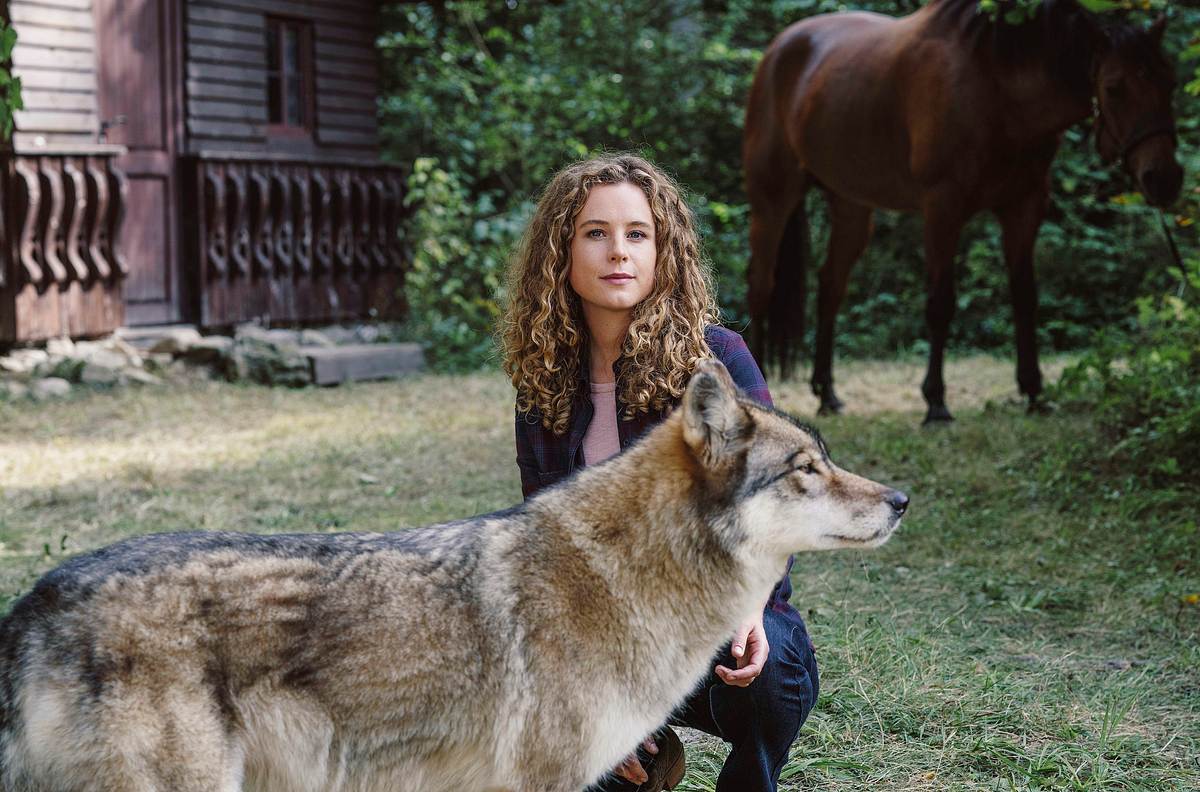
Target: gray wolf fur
point(527, 650)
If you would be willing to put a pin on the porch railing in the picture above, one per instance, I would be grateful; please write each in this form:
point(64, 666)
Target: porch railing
point(293, 240)
point(62, 270)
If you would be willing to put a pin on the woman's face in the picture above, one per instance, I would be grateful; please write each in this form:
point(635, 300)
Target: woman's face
point(613, 251)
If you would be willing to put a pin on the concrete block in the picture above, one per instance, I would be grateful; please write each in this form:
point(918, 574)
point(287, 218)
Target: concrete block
point(355, 362)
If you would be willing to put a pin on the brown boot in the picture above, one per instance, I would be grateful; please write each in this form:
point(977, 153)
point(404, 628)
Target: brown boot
point(665, 769)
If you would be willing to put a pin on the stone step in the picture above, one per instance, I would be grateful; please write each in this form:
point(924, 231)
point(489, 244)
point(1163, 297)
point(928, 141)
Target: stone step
point(355, 362)
point(146, 337)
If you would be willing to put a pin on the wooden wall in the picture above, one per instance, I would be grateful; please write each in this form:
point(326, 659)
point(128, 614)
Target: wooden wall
point(225, 91)
point(56, 61)
point(226, 76)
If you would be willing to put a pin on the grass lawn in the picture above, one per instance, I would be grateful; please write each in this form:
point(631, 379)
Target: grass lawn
point(1026, 629)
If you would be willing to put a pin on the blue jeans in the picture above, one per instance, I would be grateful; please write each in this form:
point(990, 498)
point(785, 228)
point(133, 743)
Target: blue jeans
point(759, 722)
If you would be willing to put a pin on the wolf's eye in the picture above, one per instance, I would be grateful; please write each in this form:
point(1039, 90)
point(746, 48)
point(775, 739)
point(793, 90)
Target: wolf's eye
point(808, 468)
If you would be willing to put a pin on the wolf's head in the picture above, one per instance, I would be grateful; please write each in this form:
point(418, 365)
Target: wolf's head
point(777, 471)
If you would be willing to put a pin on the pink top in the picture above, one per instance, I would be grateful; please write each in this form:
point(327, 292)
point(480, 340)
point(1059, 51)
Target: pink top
point(601, 439)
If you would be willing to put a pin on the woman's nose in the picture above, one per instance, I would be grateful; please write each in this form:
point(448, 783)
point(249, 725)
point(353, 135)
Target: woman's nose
point(618, 251)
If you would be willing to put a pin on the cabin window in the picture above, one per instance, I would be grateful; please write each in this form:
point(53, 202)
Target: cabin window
point(289, 76)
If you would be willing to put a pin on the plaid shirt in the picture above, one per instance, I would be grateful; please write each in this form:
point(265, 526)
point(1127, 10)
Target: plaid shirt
point(546, 458)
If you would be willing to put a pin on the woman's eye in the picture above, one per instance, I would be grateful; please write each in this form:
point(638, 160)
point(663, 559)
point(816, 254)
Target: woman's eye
point(637, 234)
point(595, 233)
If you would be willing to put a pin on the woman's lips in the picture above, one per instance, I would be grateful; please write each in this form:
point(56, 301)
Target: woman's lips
point(618, 276)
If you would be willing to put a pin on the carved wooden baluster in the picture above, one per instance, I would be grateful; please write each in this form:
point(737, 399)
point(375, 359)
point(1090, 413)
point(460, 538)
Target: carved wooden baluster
point(345, 221)
point(302, 209)
point(7, 199)
point(77, 205)
point(263, 234)
point(379, 238)
point(239, 228)
point(53, 241)
point(391, 219)
point(362, 221)
point(322, 201)
point(216, 246)
point(114, 219)
point(27, 248)
point(118, 187)
point(98, 265)
point(97, 235)
point(395, 243)
point(281, 202)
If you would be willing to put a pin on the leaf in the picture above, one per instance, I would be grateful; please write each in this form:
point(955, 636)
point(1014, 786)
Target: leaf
point(1099, 6)
point(8, 40)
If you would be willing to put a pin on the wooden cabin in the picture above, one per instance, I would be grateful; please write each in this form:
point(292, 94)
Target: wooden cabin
point(199, 161)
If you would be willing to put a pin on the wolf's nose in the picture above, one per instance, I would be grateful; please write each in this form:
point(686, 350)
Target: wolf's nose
point(898, 501)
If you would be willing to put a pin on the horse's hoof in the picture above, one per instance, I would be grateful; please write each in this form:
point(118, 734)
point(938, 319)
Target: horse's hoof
point(831, 407)
point(1037, 407)
point(937, 416)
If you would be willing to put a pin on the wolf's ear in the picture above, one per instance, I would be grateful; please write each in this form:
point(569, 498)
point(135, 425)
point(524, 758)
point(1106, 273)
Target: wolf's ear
point(714, 424)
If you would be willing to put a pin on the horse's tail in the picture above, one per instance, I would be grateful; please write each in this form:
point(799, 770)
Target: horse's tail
point(778, 337)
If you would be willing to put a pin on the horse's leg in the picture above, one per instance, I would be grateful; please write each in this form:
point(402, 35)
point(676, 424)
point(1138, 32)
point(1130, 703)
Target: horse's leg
point(768, 219)
point(775, 187)
point(944, 220)
point(850, 229)
point(1019, 223)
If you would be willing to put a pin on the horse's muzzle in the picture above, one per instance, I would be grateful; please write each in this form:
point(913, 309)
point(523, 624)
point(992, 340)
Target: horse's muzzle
point(1161, 184)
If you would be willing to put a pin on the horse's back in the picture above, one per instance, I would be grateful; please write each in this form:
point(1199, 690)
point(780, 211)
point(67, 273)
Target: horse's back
point(835, 95)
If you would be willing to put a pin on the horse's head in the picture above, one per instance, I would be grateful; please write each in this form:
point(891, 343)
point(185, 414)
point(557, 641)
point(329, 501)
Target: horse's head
point(1134, 122)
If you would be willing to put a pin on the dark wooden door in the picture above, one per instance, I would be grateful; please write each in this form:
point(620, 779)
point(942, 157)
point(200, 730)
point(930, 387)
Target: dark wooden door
point(138, 56)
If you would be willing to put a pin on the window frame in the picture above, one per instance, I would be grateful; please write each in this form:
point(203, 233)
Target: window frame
point(276, 27)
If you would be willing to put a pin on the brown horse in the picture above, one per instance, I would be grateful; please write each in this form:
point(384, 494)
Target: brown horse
point(947, 113)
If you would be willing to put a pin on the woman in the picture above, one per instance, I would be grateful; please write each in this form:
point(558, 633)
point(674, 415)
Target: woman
point(610, 307)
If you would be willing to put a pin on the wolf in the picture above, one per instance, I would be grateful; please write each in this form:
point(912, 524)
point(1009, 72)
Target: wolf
point(527, 650)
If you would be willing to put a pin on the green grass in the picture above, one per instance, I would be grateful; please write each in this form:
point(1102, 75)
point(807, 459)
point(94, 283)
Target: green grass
point(1026, 628)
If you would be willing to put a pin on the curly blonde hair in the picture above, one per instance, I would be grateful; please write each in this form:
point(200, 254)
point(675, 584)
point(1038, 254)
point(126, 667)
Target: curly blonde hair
point(543, 335)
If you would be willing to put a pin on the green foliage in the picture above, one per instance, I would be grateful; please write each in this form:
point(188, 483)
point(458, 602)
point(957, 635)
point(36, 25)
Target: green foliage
point(459, 249)
point(501, 96)
point(10, 86)
point(1143, 382)
point(1144, 386)
point(503, 99)
point(1015, 11)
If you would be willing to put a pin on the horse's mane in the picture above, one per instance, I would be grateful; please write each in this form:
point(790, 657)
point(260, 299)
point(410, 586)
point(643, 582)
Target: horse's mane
point(1062, 35)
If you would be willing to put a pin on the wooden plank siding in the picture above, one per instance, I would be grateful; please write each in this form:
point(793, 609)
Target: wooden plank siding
point(55, 57)
point(226, 85)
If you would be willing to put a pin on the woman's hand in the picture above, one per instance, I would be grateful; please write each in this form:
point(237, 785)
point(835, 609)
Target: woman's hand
point(750, 649)
point(631, 767)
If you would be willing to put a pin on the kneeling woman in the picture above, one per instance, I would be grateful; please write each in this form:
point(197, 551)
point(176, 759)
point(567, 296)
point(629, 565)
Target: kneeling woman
point(610, 307)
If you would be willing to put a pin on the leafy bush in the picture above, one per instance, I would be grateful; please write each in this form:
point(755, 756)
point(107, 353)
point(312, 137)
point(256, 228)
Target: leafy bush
point(459, 245)
point(1145, 385)
point(1143, 382)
